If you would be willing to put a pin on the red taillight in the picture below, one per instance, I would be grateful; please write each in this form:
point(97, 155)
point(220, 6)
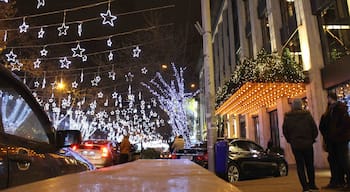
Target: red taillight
point(104, 151)
point(200, 158)
point(89, 144)
point(206, 156)
point(173, 156)
point(74, 147)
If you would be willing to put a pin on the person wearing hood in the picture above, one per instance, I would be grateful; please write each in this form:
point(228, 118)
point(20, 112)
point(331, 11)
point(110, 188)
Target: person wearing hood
point(300, 131)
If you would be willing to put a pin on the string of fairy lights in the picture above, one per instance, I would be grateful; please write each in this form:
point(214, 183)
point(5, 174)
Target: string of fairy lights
point(119, 113)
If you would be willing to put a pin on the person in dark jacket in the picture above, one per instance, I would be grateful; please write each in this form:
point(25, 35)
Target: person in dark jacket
point(335, 129)
point(300, 131)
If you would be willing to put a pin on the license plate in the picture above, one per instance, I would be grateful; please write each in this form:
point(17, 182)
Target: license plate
point(186, 157)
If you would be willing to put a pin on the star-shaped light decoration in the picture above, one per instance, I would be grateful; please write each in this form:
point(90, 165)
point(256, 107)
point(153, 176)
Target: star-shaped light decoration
point(65, 62)
point(110, 56)
point(43, 52)
point(94, 83)
point(74, 85)
point(37, 63)
point(108, 18)
point(11, 56)
point(114, 95)
point(84, 58)
point(40, 3)
point(98, 78)
point(136, 51)
point(78, 51)
point(144, 70)
point(41, 33)
point(109, 42)
point(100, 95)
point(36, 84)
point(16, 66)
point(62, 30)
point(111, 74)
point(24, 27)
point(80, 29)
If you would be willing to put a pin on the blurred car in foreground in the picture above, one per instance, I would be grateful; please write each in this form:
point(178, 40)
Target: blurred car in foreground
point(247, 159)
point(197, 155)
point(101, 153)
point(30, 148)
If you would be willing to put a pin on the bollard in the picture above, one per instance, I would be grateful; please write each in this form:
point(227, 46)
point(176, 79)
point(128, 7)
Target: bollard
point(221, 158)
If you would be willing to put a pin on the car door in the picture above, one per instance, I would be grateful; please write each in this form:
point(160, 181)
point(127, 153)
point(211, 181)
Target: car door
point(24, 137)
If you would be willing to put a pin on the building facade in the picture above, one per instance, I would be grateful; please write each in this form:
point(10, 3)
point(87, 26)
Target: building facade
point(317, 34)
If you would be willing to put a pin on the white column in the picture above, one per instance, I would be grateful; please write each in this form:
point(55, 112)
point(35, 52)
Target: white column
point(256, 27)
point(264, 127)
point(275, 23)
point(244, 50)
point(249, 123)
point(313, 61)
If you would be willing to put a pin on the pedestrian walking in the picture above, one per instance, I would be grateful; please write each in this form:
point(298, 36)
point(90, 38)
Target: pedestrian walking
point(335, 129)
point(300, 131)
point(125, 148)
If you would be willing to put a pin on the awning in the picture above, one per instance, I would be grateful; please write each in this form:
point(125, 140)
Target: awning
point(252, 96)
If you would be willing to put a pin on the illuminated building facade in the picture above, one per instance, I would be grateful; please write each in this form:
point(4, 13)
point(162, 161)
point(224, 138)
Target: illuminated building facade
point(317, 34)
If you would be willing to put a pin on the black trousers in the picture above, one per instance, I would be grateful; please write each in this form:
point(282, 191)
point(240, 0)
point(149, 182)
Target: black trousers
point(124, 158)
point(338, 162)
point(305, 159)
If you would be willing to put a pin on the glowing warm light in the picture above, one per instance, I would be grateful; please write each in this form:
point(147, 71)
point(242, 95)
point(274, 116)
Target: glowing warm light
point(193, 85)
point(248, 100)
point(164, 66)
point(61, 85)
point(336, 27)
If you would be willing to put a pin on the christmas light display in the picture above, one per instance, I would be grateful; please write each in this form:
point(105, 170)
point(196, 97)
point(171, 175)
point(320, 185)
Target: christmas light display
point(172, 99)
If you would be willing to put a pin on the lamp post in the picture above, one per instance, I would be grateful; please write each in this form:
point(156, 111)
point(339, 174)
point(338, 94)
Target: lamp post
point(209, 90)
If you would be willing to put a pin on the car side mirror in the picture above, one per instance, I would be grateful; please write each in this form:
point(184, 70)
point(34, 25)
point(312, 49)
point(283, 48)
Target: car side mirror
point(67, 138)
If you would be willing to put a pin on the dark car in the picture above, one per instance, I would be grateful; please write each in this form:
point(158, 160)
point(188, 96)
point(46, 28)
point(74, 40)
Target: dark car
point(100, 152)
point(247, 159)
point(30, 148)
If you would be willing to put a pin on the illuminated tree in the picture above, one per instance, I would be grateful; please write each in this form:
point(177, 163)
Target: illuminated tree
point(172, 100)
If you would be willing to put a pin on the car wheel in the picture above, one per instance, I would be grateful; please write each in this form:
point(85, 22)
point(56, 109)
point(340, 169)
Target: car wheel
point(233, 173)
point(282, 169)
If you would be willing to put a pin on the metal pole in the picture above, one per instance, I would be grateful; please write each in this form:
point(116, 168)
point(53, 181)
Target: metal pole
point(209, 83)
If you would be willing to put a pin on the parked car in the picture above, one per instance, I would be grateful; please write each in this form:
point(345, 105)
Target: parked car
point(30, 148)
point(101, 153)
point(247, 159)
point(197, 155)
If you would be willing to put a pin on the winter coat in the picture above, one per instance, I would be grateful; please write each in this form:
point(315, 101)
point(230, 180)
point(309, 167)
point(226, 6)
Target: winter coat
point(299, 129)
point(178, 144)
point(335, 123)
point(125, 146)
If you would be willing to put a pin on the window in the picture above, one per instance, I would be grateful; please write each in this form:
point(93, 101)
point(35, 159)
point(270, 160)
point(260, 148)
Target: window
point(334, 26)
point(18, 117)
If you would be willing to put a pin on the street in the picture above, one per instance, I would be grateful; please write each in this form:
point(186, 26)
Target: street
point(285, 184)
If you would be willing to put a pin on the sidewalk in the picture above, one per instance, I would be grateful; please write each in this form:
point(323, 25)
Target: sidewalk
point(289, 183)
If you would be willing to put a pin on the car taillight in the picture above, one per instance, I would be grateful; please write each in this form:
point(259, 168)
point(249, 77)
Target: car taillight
point(206, 156)
point(173, 156)
point(200, 158)
point(104, 151)
point(74, 147)
point(89, 145)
